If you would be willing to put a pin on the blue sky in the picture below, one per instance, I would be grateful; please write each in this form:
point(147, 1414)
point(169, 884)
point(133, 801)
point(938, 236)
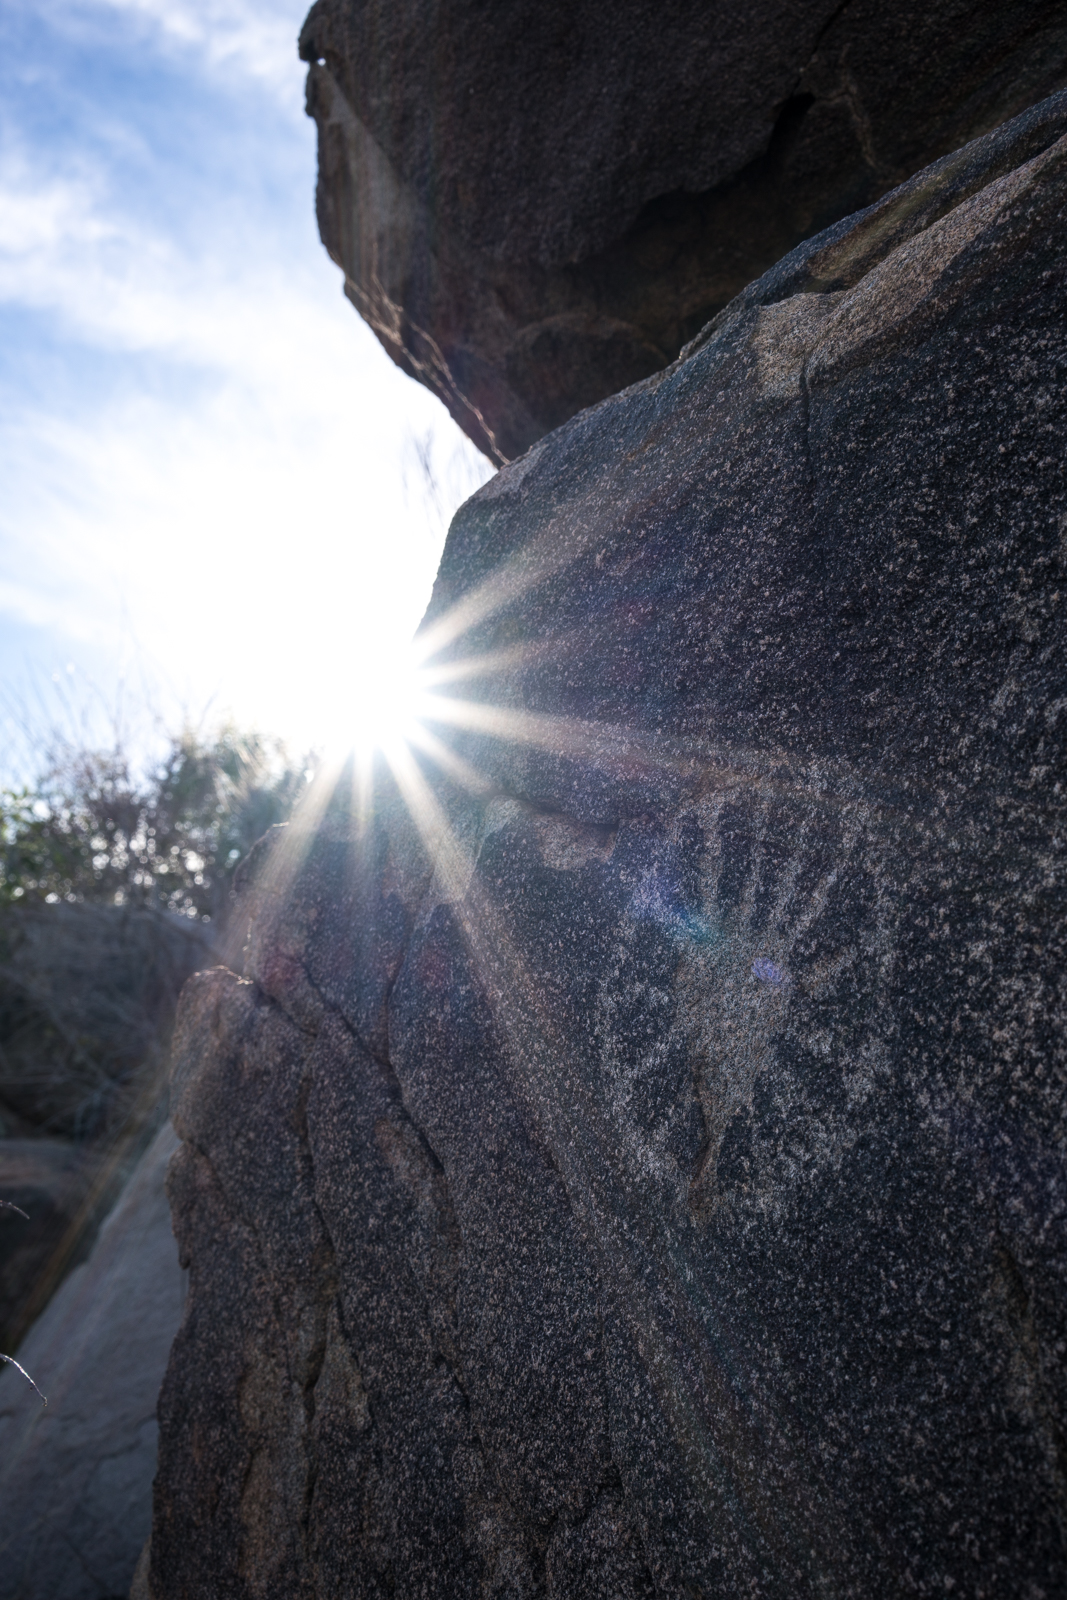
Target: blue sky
point(208, 479)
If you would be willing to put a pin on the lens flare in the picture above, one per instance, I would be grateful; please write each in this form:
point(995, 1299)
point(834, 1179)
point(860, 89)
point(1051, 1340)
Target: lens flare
point(388, 706)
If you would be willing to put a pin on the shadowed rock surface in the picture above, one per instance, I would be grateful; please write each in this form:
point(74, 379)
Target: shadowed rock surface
point(48, 1180)
point(537, 205)
point(87, 1000)
point(632, 1162)
point(76, 1477)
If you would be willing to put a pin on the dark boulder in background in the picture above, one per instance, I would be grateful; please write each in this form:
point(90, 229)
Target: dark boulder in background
point(632, 1161)
point(87, 1000)
point(536, 205)
point(76, 1475)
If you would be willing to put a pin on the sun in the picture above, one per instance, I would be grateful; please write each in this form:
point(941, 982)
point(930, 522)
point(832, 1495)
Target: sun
point(391, 700)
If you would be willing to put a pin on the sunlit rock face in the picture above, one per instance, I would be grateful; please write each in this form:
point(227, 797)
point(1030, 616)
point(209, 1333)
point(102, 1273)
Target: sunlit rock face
point(537, 204)
point(632, 1162)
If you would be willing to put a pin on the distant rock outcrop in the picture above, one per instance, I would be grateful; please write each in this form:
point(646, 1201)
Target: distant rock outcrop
point(535, 205)
point(633, 1161)
point(87, 1000)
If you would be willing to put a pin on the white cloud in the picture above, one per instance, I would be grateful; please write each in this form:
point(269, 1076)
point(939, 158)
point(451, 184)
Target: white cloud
point(260, 541)
point(68, 249)
point(254, 564)
point(257, 39)
point(35, 221)
point(238, 496)
point(253, 38)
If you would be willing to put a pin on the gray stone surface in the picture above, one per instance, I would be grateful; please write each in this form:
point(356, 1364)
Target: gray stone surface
point(535, 205)
point(76, 1476)
point(632, 1162)
point(48, 1179)
point(87, 999)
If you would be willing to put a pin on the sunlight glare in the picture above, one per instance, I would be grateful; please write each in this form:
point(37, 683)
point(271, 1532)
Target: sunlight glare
point(388, 707)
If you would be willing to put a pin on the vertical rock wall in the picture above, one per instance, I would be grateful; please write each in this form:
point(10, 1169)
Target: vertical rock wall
point(631, 1162)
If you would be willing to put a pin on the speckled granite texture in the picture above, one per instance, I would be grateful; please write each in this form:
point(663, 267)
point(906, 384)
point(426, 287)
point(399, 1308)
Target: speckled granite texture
point(632, 1163)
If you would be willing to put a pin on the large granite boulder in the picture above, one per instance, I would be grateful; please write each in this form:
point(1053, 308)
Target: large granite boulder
point(535, 205)
point(632, 1161)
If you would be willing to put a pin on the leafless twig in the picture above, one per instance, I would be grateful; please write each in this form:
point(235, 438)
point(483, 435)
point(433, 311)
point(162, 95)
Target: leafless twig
point(11, 1206)
point(12, 1362)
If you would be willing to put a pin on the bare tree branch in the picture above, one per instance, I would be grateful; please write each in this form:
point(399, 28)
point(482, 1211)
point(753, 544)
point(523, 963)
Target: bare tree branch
point(13, 1363)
